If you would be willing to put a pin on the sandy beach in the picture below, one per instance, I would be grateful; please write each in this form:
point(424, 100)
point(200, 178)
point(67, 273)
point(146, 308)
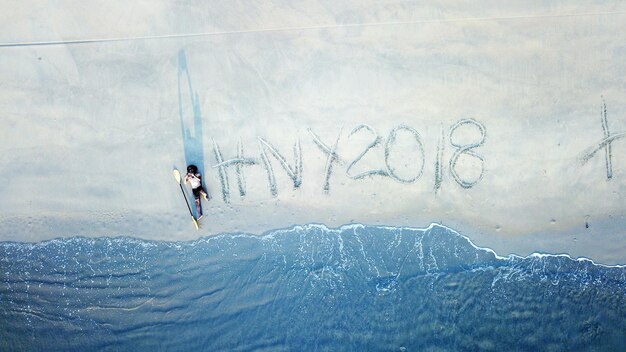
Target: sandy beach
point(503, 123)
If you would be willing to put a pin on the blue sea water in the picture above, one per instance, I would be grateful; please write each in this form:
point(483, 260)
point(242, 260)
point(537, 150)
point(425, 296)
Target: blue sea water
point(307, 288)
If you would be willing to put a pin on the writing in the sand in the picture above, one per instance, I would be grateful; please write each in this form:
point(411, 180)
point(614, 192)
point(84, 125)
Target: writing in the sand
point(396, 165)
point(604, 143)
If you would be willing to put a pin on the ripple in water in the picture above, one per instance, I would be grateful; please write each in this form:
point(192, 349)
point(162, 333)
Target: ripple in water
point(305, 288)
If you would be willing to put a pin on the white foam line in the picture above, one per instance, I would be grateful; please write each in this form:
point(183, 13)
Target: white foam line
point(487, 249)
point(303, 28)
point(270, 234)
point(532, 255)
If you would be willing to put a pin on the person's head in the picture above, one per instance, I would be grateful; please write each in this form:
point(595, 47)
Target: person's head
point(192, 169)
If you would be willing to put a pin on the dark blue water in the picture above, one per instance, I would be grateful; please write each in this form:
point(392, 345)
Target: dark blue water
point(358, 288)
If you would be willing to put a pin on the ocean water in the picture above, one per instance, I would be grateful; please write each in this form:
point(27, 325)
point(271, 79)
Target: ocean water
point(307, 288)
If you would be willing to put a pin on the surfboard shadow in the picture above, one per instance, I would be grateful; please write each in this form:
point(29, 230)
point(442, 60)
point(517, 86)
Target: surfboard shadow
point(190, 122)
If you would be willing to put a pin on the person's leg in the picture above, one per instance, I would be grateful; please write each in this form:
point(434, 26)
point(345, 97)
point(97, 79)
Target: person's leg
point(203, 193)
point(196, 196)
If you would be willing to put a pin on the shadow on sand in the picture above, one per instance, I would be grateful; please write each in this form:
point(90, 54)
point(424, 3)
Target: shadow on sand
point(192, 138)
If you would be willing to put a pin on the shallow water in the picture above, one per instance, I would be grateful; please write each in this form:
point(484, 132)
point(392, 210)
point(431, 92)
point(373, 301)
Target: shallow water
point(305, 288)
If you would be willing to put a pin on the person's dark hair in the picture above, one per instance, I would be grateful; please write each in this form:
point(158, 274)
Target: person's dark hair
point(192, 169)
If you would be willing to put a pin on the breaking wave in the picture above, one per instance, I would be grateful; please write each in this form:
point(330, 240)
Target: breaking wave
point(308, 287)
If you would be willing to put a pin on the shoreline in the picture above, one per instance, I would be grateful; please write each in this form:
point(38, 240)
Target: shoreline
point(478, 240)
